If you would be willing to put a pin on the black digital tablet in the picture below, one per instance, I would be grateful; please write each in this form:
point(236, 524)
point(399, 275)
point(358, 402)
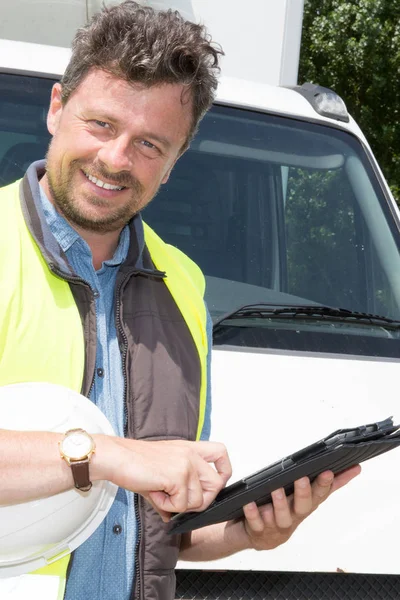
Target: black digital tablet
point(336, 452)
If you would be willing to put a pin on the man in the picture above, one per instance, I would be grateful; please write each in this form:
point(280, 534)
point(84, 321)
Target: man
point(78, 257)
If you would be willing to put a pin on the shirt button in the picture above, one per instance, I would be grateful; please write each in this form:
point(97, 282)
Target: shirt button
point(100, 372)
point(117, 529)
point(96, 293)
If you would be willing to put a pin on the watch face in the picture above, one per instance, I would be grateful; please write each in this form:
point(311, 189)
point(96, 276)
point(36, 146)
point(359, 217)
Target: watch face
point(76, 445)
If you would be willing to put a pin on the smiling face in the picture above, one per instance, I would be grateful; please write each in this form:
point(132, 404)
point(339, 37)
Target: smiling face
point(113, 145)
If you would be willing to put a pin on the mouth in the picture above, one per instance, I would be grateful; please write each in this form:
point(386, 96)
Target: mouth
point(103, 184)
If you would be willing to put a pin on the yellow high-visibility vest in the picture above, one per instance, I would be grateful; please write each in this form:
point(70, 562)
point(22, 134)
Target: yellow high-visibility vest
point(41, 336)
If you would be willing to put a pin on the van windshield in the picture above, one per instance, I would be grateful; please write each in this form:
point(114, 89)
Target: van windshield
point(275, 210)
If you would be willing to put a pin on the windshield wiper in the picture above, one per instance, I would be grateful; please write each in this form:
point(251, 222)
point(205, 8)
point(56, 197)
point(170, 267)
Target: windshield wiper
point(310, 311)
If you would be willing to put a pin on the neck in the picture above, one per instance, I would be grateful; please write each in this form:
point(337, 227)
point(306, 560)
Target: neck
point(102, 245)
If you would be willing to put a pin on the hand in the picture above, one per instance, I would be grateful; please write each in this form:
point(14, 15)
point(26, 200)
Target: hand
point(271, 525)
point(174, 476)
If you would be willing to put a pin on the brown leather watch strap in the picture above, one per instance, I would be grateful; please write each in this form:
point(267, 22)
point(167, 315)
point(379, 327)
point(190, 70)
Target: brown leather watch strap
point(80, 473)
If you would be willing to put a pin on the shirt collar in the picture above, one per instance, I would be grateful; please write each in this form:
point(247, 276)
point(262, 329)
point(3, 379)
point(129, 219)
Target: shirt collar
point(65, 235)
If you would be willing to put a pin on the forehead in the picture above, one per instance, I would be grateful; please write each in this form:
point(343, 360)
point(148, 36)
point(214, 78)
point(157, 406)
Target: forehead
point(167, 103)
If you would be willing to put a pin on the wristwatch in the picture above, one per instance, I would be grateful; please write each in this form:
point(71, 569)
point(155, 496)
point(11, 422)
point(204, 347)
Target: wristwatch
point(76, 448)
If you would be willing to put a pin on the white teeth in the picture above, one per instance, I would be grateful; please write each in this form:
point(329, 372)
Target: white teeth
point(102, 184)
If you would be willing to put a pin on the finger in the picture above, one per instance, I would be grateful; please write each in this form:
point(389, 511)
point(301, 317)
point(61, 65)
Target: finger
point(224, 467)
point(172, 498)
point(211, 483)
point(253, 517)
point(192, 494)
point(162, 503)
point(152, 499)
point(321, 487)
point(195, 493)
point(194, 490)
point(283, 516)
point(345, 477)
point(267, 514)
point(190, 498)
point(216, 453)
point(302, 497)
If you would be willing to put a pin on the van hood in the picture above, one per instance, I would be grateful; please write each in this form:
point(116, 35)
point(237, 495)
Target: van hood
point(269, 404)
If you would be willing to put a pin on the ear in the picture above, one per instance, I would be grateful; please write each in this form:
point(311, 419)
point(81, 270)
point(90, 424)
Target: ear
point(168, 173)
point(55, 109)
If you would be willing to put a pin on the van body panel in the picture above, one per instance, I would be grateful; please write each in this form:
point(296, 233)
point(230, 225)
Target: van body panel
point(264, 48)
point(267, 405)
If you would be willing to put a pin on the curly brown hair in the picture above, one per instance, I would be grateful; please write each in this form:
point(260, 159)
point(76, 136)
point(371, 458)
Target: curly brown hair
point(141, 45)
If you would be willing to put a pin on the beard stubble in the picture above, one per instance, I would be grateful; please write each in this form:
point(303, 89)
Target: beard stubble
point(61, 189)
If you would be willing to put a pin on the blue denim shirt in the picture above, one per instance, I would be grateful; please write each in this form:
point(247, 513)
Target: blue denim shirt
point(103, 566)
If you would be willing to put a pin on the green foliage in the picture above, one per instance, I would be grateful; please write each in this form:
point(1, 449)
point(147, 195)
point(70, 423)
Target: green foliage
point(353, 47)
point(322, 238)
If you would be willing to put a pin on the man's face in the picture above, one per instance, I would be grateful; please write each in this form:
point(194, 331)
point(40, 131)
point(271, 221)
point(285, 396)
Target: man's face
point(113, 145)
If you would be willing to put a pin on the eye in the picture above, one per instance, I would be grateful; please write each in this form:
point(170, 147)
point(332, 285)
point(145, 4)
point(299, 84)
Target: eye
point(101, 124)
point(148, 144)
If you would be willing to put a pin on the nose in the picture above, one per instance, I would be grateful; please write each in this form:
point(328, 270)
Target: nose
point(115, 154)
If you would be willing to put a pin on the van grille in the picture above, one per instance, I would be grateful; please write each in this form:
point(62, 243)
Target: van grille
point(254, 585)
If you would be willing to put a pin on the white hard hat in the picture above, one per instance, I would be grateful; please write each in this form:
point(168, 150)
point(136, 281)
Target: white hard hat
point(34, 534)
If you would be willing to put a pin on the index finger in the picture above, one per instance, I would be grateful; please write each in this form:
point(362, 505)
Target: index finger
point(215, 452)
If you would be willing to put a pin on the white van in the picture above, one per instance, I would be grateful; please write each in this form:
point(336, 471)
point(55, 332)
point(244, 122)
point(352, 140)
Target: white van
point(283, 205)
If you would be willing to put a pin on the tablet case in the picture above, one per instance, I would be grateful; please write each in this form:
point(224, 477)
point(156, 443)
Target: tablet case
point(338, 451)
